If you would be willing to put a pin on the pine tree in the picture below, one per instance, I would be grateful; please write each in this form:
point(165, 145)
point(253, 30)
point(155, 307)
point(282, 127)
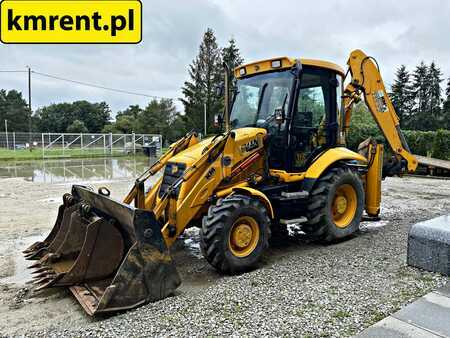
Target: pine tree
point(421, 85)
point(402, 95)
point(446, 107)
point(231, 55)
point(205, 74)
point(435, 91)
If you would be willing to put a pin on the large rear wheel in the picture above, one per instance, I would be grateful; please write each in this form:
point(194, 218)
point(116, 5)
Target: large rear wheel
point(336, 206)
point(235, 234)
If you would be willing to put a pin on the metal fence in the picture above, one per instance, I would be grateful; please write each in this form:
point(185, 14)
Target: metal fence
point(78, 145)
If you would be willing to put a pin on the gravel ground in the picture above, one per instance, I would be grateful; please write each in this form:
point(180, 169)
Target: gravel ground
point(300, 289)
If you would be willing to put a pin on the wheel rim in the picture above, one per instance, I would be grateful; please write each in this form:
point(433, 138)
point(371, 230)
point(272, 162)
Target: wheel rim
point(244, 236)
point(344, 205)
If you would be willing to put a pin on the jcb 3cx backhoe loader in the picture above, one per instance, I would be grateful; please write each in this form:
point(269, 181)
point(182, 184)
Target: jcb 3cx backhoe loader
point(281, 161)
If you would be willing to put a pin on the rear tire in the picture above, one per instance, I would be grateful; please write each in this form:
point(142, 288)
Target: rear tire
point(235, 234)
point(336, 205)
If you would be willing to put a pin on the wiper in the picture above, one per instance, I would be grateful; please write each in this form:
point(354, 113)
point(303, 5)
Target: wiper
point(261, 96)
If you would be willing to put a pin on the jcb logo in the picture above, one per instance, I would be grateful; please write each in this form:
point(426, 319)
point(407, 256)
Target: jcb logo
point(63, 21)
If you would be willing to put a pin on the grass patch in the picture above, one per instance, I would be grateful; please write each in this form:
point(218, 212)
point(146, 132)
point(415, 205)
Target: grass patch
point(341, 314)
point(376, 316)
point(37, 154)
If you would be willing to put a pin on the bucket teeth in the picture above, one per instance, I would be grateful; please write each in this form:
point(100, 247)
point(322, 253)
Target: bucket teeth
point(43, 274)
point(36, 265)
point(35, 254)
point(39, 270)
point(33, 248)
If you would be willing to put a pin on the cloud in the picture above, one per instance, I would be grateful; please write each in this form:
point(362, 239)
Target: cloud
point(393, 32)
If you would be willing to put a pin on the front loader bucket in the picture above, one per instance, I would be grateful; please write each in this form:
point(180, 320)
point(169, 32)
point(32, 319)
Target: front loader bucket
point(111, 256)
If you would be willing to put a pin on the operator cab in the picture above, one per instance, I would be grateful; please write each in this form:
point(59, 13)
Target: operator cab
point(298, 102)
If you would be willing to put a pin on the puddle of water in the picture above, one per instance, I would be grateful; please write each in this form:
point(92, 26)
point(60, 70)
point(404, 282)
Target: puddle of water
point(76, 170)
point(21, 273)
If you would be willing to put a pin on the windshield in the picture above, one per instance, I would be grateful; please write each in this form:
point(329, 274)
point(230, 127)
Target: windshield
point(258, 97)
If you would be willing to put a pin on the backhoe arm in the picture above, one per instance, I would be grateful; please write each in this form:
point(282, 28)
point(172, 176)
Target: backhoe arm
point(366, 80)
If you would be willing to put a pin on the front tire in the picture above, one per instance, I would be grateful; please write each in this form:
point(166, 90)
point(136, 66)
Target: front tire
point(235, 234)
point(336, 205)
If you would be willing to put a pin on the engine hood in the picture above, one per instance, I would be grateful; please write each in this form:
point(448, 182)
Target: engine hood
point(193, 153)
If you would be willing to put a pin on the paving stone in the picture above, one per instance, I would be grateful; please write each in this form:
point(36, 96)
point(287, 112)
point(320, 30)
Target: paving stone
point(431, 312)
point(391, 327)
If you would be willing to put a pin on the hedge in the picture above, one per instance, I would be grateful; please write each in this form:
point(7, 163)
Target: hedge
point(426, 143)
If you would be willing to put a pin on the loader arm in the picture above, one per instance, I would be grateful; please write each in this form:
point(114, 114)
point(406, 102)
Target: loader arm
point(366, 81)
point(137, 192)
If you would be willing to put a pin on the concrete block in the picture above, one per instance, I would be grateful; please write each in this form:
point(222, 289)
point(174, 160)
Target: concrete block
point(429, 245)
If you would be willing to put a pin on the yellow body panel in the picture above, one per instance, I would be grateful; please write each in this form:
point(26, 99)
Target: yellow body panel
point(330, 157)
point(373, 180)
point(258, 194)
point(284, 176)
point(209, 164)
point(286, 62)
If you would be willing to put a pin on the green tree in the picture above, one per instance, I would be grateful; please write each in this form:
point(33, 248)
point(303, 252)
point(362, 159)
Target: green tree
point(94, 115)
point(446, 107)
point(435, 93)
point(231, 55)
point(77, 126)
point(14, 109)
point(205, 73)
point(132, 111)
point(421, 92)
point(402, 95)
point(159, 118)
point(57, 117)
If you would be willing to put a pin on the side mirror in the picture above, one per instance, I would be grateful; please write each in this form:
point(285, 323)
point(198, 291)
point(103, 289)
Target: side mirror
point(220, 90)
point(218, 120)
point(279, 116)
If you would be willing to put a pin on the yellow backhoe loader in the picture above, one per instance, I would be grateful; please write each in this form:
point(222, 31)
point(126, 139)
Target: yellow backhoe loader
point(281, 161)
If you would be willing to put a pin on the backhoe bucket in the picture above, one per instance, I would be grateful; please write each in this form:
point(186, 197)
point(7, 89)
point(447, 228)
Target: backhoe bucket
point(111, 256)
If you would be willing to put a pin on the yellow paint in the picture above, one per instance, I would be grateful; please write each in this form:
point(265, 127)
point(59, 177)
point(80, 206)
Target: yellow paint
point(79, 21)
point(329, 157)
point(286, 62)
point(258, 194)
point(366, 75)
point(284, 176)
point(344, 205)
point(244, 236)
point(373, 180)
point(323, 64)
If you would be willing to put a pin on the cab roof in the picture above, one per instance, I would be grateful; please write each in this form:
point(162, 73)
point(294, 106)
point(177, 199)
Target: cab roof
point(283, 62)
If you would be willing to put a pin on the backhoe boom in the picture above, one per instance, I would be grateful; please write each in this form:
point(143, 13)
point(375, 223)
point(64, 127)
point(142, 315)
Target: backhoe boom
point(366, 80)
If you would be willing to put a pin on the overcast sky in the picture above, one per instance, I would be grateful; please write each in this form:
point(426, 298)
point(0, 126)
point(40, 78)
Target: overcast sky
point(394, 32)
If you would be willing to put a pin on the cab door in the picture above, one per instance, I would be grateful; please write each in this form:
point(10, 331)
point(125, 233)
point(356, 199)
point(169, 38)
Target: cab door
point(313, 126)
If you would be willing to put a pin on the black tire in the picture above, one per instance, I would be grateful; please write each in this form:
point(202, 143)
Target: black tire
point(321, 224)
point(216, 231)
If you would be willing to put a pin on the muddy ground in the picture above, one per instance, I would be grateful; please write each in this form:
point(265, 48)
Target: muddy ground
point(28, 210)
